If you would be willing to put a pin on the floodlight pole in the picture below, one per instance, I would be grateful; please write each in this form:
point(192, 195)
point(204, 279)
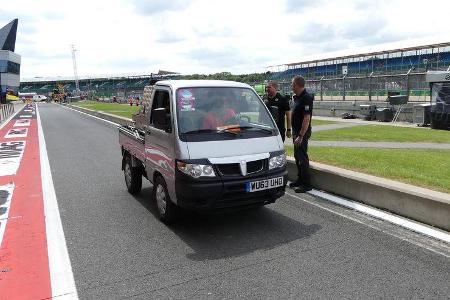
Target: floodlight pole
point(370, 86)
point(321, 88)
point(75, 72)
point(407, 82)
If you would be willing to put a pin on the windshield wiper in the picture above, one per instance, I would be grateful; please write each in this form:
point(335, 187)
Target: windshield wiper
point(209, 131)
point(256, 128)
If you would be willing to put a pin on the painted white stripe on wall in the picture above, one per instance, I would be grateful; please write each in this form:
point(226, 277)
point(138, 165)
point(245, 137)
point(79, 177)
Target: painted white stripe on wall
point(61, 275)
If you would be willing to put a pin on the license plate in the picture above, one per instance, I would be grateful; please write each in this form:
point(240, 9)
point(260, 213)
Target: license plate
point(265, 184)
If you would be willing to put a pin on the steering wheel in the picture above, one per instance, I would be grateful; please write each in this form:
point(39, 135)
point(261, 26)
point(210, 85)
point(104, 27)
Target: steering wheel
point(231, 121)
point(247, 118)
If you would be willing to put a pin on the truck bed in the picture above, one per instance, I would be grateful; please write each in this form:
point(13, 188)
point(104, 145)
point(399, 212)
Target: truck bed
point(132, 140)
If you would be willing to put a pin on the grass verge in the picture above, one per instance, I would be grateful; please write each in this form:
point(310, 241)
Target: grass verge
point(378, 133)
point(122, 110)
point(425, 168)
point(322, 122)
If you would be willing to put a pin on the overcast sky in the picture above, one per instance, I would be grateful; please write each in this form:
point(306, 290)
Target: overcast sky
point(207, 36)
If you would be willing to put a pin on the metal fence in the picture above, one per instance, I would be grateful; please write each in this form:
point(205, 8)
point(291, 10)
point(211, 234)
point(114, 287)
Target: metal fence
point(367, 88)
point(5, 111)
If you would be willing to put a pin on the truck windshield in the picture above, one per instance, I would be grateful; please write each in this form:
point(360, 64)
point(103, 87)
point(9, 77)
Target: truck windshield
point(206, 110)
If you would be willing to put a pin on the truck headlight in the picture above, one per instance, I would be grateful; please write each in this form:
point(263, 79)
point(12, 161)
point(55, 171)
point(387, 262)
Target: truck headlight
point(196, 170)
point(277, 161)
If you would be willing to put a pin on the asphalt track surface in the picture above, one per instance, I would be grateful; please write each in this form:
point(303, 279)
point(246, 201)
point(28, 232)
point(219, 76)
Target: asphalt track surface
point(289, 250)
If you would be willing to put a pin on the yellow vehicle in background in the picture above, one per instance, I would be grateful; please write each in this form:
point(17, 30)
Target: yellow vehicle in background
point(58, 94)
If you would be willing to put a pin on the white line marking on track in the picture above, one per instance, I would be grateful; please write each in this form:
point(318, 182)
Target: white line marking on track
point(95, 117)
point(361, 222)
point(61, 275)
point(389, 217)
point(22, 123)
point(11, 154)
point(8, 188)
point(16, 133)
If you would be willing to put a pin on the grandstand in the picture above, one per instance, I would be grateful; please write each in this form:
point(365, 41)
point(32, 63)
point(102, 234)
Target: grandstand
point(419, 58)
point(99, 86)
point(364, 76)
point(368, 75)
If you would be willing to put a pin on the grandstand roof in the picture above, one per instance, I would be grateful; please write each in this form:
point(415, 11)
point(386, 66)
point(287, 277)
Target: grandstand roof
point(381, 49)
point(101, 76)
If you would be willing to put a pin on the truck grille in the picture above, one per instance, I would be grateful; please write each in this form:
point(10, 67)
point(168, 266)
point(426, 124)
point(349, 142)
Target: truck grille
point(255, 166)
point(235, 170)
point(229, 169)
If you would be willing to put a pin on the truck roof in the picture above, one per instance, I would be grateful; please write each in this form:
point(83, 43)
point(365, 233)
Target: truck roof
point(175, 84)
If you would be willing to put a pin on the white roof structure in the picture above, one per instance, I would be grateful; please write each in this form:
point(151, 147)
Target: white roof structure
point(371, 51)
point(175, 84)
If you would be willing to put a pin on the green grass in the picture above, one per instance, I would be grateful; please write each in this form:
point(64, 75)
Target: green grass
point(122, 110)
point(322, 122)
point(426, 168)
point(383, 133)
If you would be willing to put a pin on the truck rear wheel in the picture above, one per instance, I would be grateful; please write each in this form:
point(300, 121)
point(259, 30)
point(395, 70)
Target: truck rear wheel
point(167, 210)
point(133, 177)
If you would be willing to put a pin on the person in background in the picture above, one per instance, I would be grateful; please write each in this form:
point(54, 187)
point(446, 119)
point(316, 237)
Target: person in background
point(274, 98)
point(301, 132)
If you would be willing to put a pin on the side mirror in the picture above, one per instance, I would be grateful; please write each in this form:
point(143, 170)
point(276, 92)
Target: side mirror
point(161, 119)
point(274, 112)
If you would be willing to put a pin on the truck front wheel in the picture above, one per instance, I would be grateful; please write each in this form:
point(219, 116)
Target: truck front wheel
point(133, 177)
point(167, 210)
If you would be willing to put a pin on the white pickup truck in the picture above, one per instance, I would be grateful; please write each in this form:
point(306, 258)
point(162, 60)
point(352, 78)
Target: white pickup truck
point(204, 145)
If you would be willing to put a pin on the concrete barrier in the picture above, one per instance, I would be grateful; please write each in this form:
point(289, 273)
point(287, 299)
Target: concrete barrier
point(420, 204)
point(423, 205)
point(337, 108)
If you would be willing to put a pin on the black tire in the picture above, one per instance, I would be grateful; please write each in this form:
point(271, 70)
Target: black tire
point(133, 177)
point(167, 210)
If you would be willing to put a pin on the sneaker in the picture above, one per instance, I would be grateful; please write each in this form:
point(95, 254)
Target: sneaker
point(302, 189)
point(294, 184)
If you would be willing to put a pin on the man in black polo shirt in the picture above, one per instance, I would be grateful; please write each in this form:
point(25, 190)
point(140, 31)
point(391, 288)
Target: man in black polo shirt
point(274, 98)
point(301, 131)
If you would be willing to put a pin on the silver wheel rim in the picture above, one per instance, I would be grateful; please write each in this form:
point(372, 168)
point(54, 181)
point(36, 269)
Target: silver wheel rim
point(161, 199)
point(127, 174)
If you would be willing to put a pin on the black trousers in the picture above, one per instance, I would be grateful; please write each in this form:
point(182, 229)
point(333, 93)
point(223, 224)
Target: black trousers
point(283, 134)
point(302, 162)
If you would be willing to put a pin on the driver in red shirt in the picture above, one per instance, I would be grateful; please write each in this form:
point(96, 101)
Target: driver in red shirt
point(219, 114)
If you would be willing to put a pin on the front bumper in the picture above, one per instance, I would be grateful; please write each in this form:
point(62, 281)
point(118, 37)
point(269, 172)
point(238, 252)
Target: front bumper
point(220, 193)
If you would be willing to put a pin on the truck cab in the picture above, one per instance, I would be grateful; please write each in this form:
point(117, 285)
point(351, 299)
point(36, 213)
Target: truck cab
point(204, 145)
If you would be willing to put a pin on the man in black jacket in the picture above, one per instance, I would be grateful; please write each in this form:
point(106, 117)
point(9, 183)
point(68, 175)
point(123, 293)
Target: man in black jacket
point(301, 131)
point(274, 98)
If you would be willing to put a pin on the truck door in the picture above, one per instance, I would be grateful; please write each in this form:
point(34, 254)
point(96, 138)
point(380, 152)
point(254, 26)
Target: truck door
point(159, 142)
